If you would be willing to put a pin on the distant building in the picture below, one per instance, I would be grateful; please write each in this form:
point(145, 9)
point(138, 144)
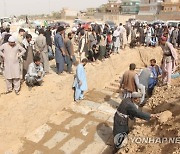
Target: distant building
point(91, 11)
point(112, 7)
point(150, 7)
point(130, 6)
point(102, 8)
point(171, 6)
point(68, 13)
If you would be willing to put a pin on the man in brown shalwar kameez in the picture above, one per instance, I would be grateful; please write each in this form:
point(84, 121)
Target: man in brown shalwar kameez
point(28, 56)
point(11, 52)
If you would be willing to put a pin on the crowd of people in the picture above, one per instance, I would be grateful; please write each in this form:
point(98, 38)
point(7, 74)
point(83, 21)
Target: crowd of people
point(94, 43)
point(24, 59)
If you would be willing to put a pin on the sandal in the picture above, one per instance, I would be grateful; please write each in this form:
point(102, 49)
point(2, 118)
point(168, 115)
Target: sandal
point(8, 92)
point(17, 92)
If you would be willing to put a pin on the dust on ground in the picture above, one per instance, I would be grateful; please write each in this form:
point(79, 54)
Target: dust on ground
point(21, 115)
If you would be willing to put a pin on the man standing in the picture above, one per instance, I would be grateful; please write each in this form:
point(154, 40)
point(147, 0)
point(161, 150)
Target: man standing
point(130, 83)
point(116, 40)
point(70, 58)
point(141, 33)
point(144, 77)
point(174, 36)
point(59, 49)
point(149, 34)
point(28, 56)
point(178, 41)
point(35, 73)
point(80, 82)
point(48, 35)
point(20, 39)
point(155, 73)
point(20, 36)
point(42, 50)
point(169, 60)
point(127, 110)
point(92, 38)
point(11, 52)
point(82, 47)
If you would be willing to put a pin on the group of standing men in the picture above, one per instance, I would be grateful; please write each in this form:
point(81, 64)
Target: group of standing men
point(23, 59)
point(150, 35)
point(136, 87)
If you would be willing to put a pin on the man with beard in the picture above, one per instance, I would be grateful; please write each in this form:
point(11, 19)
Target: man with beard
point(42, 50)
point(35, 73)
point(127, 111)
point(169, 60)
point(59, 50)
point(155, 73)
point(11, 52)
point(28, 56)
point(70, 58)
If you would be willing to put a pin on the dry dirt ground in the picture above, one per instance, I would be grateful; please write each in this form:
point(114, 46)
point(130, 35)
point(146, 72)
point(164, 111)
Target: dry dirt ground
point(20, 115)
point(164, 99)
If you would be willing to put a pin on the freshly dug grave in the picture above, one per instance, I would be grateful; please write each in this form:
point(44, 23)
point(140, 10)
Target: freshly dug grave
point(20, 115)
point(167, 102)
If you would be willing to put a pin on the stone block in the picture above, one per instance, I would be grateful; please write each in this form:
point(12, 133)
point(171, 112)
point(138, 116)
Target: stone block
point(70, 146)
point(39, 133)
point(58, 137)
point(74, 122)
point(59, 117)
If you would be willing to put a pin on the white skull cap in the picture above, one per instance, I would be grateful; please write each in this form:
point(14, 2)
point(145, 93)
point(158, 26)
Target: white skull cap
point(11, 39)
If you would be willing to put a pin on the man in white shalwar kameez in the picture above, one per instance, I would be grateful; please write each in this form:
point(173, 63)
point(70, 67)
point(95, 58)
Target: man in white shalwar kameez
point(11, 52)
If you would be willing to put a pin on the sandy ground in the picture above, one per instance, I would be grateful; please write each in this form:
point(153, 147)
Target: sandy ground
point(20, 115)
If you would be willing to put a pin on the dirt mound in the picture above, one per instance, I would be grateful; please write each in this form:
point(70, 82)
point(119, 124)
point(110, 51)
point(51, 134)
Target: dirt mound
point(167, 102)
point(165, 116)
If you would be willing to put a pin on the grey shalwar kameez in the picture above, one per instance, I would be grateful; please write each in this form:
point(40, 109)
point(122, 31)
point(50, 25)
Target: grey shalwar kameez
point(41, 48)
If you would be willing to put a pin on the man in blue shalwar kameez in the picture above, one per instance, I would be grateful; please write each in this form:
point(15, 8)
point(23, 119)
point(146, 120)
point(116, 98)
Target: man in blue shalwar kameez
point(80, 82)
point(59, 50)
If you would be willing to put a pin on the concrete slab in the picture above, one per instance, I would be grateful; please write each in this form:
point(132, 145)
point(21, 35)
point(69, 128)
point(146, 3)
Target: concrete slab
point(92, 105)
point(58, 137)
point(100, 115)
point(105, 107)
point(86, 128)
point(39, 133)
point(70, 146)
point(94, 148)
point(74, 122)
point(80, 109)
point(59, 117)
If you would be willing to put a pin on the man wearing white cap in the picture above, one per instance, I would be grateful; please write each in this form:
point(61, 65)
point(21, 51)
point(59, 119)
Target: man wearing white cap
point(11, 52)
point(127, 110)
